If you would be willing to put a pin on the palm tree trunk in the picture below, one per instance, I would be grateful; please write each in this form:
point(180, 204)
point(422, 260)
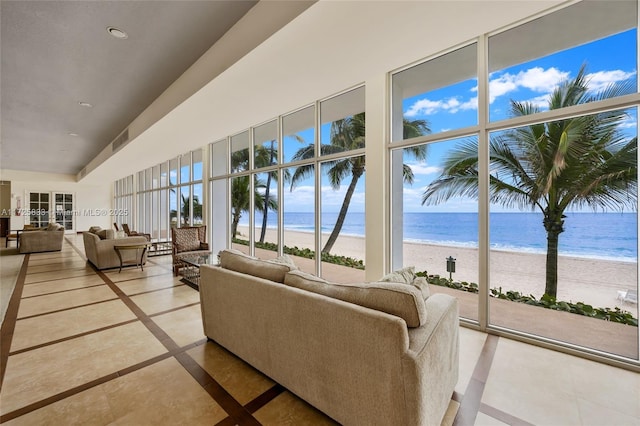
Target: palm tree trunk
point(551, 284)
point(554, 225)
point(234, 223)
point(266, 197)
point(343, 212)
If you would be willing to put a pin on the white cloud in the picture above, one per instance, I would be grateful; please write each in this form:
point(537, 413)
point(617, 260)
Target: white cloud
point(423, 169)
point(427, 107)
point(541, 101)
point(601, 79)
point(535, 79)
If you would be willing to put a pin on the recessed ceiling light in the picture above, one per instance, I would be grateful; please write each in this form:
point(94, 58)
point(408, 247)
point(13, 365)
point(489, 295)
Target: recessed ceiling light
point(85, 104)
point(117, 33)
point(73, 134)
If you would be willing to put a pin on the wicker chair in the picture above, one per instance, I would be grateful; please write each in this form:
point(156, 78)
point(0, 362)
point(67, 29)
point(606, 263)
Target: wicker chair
point(186, 241)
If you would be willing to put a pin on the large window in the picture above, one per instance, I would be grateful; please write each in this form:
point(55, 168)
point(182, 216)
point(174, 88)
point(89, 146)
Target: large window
point(543, 185)
point(277, 202)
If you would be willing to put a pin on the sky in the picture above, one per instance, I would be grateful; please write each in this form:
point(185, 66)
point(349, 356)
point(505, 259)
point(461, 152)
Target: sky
point(609, 61)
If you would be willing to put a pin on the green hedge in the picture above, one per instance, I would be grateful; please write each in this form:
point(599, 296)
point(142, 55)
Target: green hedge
point(308, 254)
point(614, 315)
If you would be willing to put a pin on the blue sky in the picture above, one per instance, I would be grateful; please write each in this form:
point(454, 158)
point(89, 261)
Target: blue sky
point(611, 60)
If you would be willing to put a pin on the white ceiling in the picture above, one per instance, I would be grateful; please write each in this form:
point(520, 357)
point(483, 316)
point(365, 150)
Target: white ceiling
point(56, 54)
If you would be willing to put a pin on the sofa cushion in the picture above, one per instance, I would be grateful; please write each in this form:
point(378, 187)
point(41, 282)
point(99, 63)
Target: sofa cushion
point(267, 269)
point(95, 229)
point(396, 299)
point(408, 276)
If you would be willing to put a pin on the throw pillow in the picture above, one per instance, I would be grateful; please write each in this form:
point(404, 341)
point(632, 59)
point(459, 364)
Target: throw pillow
point(237, 261)
point(52, 226)
point(396, 299)
point(102, 234)
point(285, 259)
point(94, 229)
point(404, 275)
point(407, 275)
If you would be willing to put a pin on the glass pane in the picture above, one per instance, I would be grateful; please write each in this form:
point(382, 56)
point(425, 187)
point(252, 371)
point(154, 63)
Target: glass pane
point(173, 172)
point(164, 215)
point(266, 214)
point(155, 183)
point(240, 152)
point(164, 175)
point(265, 138)
point(44, 197)
point(196, 205)
point(436, 96)
point(219, 158)
point(566, 237)
point(435, 225)
point(299, 224)
point(343, 219)
point(197, 164)
point(219, 215)
point(141, 215)
point(185, 168)
point(173, 207)
point(558, 47)
point(240, 204)
point(59, 198)
point(141, 180)
point(185, 206)
point(34, 196)
point(342, 119)
point(298, 131)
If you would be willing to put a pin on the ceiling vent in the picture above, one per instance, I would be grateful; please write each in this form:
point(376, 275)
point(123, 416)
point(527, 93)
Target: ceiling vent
point(120, 141)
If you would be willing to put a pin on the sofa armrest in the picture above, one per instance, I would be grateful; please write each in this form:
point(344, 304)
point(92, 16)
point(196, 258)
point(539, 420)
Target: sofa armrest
point(204, 246)
point(431, 364)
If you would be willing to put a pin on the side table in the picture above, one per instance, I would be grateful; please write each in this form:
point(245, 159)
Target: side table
point(131, 246)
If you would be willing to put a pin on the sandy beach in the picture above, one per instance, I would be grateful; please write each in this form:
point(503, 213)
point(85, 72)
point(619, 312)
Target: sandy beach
point(592, 281)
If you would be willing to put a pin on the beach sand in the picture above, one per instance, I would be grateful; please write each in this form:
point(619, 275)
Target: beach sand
point(591, 281)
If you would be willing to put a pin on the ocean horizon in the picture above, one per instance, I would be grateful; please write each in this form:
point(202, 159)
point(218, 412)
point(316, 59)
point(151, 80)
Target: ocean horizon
point(607, 236)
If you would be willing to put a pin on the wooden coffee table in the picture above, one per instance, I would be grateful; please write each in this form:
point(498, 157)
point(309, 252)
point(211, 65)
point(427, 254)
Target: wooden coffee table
point(131, 246)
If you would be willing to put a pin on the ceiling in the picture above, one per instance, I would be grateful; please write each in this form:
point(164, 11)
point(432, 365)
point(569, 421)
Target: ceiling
point(58, 54)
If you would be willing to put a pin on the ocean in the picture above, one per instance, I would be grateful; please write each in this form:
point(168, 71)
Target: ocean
point(611, 236)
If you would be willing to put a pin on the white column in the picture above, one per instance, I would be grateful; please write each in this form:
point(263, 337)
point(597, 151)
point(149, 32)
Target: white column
point(376, 205)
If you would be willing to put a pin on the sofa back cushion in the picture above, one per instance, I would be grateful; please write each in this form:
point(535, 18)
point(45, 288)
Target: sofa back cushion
point(237, 261)
point(396, 299)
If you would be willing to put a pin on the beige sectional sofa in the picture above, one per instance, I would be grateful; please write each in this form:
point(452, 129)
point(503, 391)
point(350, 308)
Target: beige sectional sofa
point(364, 353)
point(98, 247)
point(41, 240)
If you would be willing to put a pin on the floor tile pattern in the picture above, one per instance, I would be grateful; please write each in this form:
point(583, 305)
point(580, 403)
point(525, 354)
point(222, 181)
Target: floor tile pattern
point(88, 347)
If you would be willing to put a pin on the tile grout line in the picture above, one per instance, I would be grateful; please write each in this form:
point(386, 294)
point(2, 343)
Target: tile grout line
point(502, 416)
point(61, 291)
point(236, 412)
point(10, 318)
point(232, 407)
point(470, 403)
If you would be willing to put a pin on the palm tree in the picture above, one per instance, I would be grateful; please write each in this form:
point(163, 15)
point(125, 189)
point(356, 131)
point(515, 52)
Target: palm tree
point(240, 199)
point(346, 135)
point(575, 162)
point(186, 205)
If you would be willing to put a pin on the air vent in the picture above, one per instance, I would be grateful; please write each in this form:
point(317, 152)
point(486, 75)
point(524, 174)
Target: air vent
point(120, 141)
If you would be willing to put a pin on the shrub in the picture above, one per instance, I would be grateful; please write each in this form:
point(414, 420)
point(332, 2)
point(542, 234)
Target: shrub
point(614, 315)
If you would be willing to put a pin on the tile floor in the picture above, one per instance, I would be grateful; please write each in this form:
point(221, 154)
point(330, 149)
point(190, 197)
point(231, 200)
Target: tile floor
point(86, 347)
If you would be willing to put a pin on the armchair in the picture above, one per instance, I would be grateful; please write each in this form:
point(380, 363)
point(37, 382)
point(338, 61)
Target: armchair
point(186, 241)
point(130, 233)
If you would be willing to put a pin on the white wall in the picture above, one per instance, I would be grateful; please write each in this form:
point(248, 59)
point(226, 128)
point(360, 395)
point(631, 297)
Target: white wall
point(91, 200)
